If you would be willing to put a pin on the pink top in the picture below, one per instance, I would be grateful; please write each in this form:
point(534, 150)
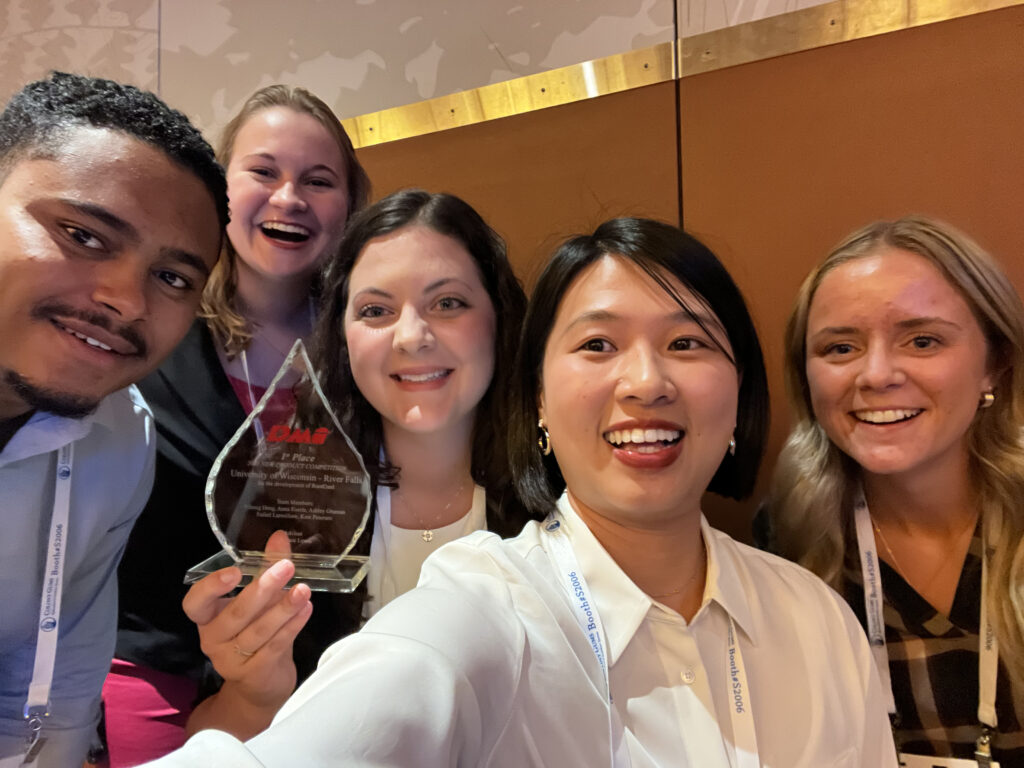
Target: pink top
point(279, 410)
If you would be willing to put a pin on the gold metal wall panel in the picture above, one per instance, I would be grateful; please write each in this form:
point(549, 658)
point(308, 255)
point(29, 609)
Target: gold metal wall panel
point(513, 97)
point(814, 27)
point(820, 25)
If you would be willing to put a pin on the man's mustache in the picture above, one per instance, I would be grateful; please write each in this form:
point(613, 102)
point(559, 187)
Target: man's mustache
point(54, 310)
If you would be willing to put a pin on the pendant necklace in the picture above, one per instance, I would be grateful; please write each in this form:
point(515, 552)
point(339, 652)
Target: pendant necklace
point(427, 532)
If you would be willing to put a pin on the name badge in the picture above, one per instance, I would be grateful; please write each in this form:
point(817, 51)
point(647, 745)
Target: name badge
point(926, 761)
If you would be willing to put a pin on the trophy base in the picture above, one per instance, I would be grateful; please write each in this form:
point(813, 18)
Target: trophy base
point(343, 577)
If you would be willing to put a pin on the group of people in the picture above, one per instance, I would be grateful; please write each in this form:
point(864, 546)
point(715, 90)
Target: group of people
point(543, 588)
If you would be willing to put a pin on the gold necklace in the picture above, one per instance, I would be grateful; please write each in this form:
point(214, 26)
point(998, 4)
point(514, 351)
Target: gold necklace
point(427, 534)
point(896, 563)
point(888, 549)
point(685, 584)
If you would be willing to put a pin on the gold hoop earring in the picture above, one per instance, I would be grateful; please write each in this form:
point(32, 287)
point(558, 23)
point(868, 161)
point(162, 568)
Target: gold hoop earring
point(987, 399)
point(544, 441)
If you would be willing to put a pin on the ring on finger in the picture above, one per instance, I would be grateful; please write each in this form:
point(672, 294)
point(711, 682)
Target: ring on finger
point(244, 654)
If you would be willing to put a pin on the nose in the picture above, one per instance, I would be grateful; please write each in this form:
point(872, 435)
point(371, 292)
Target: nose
point(880, 369)
point(287, 197)
point(412, 331)
point(643, 378)
point(120, 286)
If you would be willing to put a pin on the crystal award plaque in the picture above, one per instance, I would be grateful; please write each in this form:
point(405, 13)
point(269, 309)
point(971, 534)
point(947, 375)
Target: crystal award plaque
point(303, 477)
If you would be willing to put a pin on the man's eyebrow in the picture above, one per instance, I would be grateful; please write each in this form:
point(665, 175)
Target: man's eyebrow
point(105, 216)
point(186, 257)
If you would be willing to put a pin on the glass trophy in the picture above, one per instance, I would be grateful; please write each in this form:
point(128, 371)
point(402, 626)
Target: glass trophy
point(299, 474)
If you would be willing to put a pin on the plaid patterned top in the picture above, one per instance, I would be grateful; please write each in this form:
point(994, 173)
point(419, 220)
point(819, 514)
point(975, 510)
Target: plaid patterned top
point(933, 661)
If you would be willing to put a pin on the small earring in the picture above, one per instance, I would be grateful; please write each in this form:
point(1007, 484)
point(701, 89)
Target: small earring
point(987, 399)
point(732, 446)
point(544, 441)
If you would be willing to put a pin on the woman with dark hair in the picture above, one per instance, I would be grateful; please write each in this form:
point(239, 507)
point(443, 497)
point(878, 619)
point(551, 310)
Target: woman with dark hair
point(414, 347)
point(293, 182)
point(901, 482)
point(622, 630)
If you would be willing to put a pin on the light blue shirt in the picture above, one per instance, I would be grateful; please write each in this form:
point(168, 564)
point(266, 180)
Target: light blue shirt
point(113, 473)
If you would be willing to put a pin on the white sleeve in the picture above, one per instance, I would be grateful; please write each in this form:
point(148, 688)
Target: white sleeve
point(428, 682)
point(211, 749)
point(877, 747)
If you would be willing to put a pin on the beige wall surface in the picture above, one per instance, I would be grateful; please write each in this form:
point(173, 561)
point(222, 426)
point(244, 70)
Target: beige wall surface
point(697, 16)
point(364, 55)
point(105, 38)
point(206, 56)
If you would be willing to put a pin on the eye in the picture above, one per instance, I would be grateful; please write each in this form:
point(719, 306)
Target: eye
point(840, 348)
point(687, 344)
point(83, 237)
point(924, 342)
point(371, 311)
point(263, 173)
point(596, 345)
point(322, 183)
point(449, 303)
point(174, 280)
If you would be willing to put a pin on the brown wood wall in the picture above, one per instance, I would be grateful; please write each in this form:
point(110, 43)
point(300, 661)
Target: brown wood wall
point(778, 160)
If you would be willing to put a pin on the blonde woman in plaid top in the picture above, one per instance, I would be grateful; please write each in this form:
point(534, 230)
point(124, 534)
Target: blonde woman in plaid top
point(905, 358)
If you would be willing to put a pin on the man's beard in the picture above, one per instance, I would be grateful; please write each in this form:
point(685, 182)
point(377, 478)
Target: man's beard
point(42, 399)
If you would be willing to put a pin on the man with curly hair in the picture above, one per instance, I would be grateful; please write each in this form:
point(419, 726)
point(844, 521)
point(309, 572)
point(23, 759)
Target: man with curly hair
point(112, 208)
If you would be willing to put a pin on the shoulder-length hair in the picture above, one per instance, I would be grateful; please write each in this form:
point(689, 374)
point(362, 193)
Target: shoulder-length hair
point(811, 501)
point(450, 216)
point(664, 253)
point(219, 305)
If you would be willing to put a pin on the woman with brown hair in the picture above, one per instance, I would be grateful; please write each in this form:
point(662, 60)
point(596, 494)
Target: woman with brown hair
point(901, 483)
point(293, 182)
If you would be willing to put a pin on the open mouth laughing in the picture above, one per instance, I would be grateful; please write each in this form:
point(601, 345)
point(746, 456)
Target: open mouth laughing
point(285, 232)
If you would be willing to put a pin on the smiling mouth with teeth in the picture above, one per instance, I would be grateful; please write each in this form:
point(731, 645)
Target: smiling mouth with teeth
point(419, 378)
point(289, 233)
point(87, 339)
point(891, 416)
point(643, 440)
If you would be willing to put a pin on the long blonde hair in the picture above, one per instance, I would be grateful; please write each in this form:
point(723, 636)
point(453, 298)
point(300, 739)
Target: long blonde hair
point(219, 305)
point(811, 506)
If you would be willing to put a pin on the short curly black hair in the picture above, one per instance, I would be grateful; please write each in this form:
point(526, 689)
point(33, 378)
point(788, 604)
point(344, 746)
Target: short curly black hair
point(38, 117)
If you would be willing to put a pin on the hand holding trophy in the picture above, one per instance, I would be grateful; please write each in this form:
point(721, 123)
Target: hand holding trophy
point(303, 477)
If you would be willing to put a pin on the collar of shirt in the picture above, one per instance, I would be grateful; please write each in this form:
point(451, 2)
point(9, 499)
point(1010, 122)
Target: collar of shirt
point(46, 432)
point(622, 605)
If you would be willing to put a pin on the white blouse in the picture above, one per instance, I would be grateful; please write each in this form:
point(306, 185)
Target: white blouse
point(484, 664)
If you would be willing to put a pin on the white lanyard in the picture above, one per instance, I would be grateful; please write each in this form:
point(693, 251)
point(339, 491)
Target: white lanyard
point(37, 705)
point(988, 651)
point(740, 709)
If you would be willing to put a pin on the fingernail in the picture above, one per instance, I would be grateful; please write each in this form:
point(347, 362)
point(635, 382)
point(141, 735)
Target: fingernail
point(228, 576)
point(278, 569)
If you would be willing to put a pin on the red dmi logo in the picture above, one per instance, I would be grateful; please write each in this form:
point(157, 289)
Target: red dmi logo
point(281, 433)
